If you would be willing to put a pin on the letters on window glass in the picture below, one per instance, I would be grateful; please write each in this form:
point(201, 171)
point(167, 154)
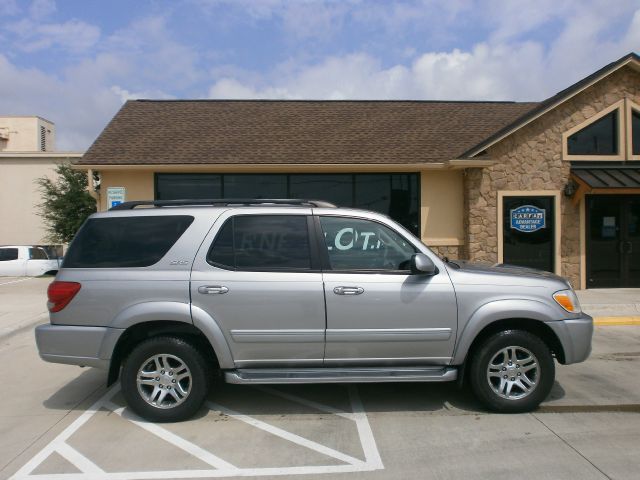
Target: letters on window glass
point(357, 244)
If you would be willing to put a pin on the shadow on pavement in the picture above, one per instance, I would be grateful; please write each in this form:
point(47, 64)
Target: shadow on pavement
point(260, 400)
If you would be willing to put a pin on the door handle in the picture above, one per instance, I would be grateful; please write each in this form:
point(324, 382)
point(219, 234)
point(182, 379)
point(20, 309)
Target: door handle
point(213, 289)
point(348, 290)
point(628, 247)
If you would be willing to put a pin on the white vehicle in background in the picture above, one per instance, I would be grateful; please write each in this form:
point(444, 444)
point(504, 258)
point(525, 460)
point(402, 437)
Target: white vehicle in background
point(27, 261)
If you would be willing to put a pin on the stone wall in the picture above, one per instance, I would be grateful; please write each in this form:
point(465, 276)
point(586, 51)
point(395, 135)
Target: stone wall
point(531, 159)
point(451, 251)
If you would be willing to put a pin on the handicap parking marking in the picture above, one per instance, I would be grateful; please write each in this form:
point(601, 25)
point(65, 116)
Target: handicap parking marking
point(83, 468)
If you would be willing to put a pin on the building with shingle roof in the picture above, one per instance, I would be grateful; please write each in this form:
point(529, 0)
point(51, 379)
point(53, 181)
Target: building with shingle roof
point(452, 172)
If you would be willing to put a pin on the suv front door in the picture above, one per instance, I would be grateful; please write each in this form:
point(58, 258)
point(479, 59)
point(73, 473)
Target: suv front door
point(257, 278)
point(377, 311)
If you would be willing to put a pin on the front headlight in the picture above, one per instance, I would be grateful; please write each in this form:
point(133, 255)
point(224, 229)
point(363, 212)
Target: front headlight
point(568, 300)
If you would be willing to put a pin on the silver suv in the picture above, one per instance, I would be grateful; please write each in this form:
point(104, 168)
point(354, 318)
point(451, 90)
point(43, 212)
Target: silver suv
point(169, 295)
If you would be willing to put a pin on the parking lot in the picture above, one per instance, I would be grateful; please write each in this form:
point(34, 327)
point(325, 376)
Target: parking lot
point(61, 422)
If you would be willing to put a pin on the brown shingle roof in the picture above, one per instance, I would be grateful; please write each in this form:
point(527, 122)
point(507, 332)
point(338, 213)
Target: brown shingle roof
point(296, 132)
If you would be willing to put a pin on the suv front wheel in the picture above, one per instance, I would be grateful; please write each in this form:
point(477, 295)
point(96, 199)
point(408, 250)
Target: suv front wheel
point(512, 371)
point(165, 379)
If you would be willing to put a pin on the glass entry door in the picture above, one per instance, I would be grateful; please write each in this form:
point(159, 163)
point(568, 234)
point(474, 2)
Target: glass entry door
point(528, 231)
point(613, 241)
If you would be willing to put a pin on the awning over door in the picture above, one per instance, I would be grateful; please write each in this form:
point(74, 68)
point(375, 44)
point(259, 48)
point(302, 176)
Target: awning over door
point(605, 179)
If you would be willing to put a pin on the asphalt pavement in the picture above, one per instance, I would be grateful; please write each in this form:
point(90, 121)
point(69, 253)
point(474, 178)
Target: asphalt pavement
point(61, 422)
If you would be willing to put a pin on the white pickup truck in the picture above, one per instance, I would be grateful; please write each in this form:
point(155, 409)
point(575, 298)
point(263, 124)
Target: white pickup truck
point(26, 261)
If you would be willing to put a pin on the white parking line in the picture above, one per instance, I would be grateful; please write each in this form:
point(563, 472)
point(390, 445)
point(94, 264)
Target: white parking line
point(16, 281)
point(172, 438)
point(90, 471)
point(292, 437)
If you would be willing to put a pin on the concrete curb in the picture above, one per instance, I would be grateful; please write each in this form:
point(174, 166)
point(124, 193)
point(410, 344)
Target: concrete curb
point(616, 321)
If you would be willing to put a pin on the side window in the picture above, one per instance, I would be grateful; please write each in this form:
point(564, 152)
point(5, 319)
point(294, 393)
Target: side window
point(7, 254)
point(119, 242)
point(262, 242)
point(37, 254)
point(356, 244)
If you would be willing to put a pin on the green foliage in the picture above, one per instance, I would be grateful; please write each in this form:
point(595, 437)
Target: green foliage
point(66, 203)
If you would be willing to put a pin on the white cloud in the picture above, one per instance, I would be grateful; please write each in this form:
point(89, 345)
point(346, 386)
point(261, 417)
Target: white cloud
point(78, 109)
point(493, 73)
point(500, 68)
point(74, 36)
point(42, 8)
point(510, 59)
point(80, 98)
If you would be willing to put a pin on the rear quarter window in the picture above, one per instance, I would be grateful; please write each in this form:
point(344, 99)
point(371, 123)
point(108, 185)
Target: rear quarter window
point(125, 241)
point(7, 254)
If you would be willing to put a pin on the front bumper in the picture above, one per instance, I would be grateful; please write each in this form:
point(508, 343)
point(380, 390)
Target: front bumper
point(73, 345)
point(575, 335)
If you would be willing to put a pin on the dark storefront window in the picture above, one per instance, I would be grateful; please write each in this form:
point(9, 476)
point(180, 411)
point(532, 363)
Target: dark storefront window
point(394, 194)
point(528, 226)
point(173, 186)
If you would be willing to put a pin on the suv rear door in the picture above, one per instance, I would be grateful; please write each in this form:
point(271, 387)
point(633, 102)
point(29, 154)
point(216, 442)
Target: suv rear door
point(257, 275)
point(377, 311)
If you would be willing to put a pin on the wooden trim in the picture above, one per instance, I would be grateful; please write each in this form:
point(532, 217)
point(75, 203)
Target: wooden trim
point(557, 213)
point(276, 168)
point(40, 155)
point(443, 242)
point(583, 243)
point(622, 148)
point(630, 107)
point(464, 163)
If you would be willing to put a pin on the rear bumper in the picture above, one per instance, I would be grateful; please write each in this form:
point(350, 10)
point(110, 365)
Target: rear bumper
point(73, 345)
point(575, 335)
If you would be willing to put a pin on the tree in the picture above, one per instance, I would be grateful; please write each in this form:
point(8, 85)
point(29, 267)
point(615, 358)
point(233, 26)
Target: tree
point(66, 203)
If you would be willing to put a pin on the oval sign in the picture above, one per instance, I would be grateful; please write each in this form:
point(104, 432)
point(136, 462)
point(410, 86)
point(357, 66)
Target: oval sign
point(528, 218)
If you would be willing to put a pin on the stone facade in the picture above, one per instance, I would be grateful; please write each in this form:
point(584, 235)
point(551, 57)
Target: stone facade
point(451, 251)
point(531, 159)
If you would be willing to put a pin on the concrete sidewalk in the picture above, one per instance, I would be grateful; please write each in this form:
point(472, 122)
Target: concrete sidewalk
point(603, 303)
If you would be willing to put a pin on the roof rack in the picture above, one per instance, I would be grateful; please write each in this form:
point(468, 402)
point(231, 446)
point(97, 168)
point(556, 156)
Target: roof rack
point(223, 202)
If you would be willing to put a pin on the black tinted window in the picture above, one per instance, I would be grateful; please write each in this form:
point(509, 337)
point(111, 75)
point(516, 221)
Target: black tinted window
point(263, 242)
point(37, 254)
point(635, 132)
point(221, 252)
point(7, 254)
point(125, 241)
point(599, 138)
point(355, 244)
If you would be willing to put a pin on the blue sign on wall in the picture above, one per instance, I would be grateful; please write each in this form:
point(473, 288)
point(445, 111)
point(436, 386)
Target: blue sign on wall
point(528, 218)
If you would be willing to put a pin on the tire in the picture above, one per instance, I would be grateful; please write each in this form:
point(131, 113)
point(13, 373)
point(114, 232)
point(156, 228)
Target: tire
point(174, 379)
point(532, 368)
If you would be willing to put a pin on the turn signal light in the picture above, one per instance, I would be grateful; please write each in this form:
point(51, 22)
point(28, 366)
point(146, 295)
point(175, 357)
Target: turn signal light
point(60, 294)
point(568, 300)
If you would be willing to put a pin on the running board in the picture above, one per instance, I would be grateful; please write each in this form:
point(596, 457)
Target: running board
point(340, 375)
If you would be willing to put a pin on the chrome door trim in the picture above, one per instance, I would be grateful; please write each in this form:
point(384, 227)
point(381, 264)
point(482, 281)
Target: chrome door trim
point(388, 334)
point(278, 336)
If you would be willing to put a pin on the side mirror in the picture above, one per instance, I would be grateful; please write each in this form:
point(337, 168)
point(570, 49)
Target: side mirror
point(422, 264)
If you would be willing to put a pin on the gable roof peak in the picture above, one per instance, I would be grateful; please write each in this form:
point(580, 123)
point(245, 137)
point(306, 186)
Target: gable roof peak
point(632, 59)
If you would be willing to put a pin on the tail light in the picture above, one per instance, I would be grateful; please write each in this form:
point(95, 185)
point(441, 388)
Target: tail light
point(60, 294)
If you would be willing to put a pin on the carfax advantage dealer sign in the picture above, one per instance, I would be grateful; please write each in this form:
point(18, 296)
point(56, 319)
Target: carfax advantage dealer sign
point(528, 218)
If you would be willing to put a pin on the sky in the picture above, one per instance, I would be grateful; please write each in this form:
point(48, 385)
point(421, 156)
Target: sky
point(75, 62)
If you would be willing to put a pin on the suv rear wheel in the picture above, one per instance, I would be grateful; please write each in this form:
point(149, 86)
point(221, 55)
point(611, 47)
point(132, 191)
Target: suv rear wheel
point(165, 379)
point(512, 371)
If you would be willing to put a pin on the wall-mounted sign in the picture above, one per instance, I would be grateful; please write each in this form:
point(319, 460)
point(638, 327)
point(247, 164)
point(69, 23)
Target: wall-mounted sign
point(528, 218)
point(115, 196)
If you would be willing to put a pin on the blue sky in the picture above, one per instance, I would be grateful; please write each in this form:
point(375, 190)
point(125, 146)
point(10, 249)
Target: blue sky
point(76, 61)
